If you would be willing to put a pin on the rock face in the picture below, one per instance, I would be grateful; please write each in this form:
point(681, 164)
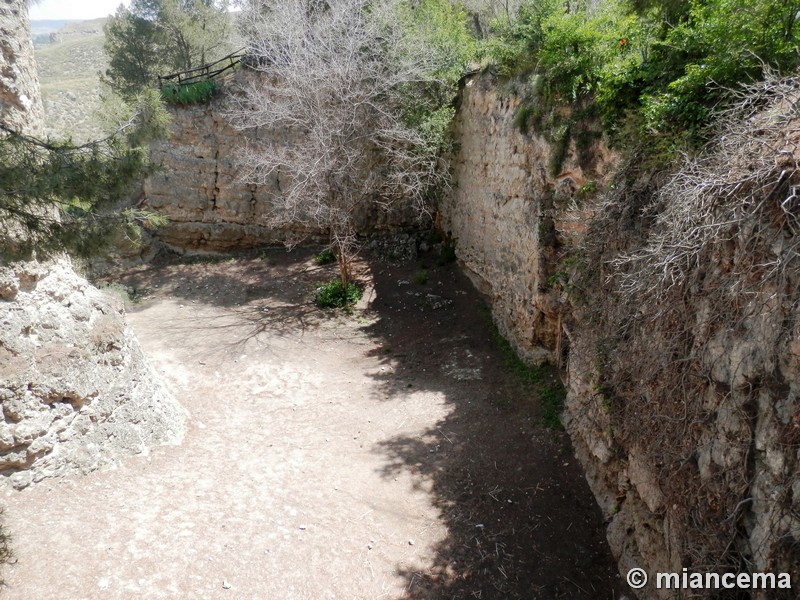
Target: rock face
point(693, 459)
point(76, 390)
point(20, 100)
point(200, 188)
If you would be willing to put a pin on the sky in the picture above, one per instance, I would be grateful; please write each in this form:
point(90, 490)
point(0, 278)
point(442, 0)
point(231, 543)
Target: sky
point(72, 9)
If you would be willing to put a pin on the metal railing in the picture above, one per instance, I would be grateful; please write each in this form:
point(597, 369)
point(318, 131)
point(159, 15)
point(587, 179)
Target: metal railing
point(204, 73)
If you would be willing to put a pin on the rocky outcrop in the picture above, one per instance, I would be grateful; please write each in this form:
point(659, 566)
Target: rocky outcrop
point(682, 407)
point(199, 186)
point(76, 390)
point(20, 100)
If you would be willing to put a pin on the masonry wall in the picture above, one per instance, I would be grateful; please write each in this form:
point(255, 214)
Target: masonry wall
point(517, 229)
point(200, 186)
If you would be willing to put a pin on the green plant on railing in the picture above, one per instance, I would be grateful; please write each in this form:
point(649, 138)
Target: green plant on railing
point(189, 93)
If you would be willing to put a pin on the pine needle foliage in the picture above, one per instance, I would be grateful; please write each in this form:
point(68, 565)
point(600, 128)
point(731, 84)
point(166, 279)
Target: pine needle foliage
point(56, 196)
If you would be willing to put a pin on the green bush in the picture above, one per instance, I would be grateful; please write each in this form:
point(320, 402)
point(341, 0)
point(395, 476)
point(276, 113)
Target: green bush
point(190, 93)
point(442, 28)
point(515, 45)
point(333, 295)
point(720, 44)
point(560, 148)
point(326, 257)
point(652, 69)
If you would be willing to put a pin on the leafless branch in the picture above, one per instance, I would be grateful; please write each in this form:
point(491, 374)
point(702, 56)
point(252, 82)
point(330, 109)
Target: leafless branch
point(327, 99)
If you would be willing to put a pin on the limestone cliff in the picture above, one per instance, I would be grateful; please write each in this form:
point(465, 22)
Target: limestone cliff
point(76, 390)
point(682, 403)
point(200, 188)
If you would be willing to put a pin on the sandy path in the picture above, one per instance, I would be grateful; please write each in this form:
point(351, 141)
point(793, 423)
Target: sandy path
point(282, 487)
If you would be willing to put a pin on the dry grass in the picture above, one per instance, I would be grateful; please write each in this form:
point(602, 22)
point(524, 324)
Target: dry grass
point(69, 75)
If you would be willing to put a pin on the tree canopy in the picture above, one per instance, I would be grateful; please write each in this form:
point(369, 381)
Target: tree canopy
point(157, 37)
point(652, 70)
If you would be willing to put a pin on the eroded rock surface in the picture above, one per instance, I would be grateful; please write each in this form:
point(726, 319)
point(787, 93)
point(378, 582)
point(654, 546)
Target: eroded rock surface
point(76, 390)
point(210, 207)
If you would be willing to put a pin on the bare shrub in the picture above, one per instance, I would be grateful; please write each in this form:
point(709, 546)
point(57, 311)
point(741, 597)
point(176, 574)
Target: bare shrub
point(747, 177)
point(336, 81)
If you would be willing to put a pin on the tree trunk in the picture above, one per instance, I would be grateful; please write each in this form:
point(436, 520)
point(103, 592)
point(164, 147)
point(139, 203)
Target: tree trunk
point(343, 258)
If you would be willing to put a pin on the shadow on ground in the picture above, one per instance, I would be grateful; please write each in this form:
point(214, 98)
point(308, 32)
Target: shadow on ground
point(520, 519)
point(267, 294)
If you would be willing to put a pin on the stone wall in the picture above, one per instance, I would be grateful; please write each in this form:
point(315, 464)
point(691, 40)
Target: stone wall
point(511, 218)
point(199, 186)
point(516, 228)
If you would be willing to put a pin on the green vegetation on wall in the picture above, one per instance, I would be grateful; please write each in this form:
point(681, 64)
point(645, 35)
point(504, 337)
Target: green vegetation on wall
point(651, 69)
point(189, 93)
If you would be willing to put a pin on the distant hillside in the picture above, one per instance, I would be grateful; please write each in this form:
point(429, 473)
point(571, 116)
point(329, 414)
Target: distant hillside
point(41, 30)
point(69, 68)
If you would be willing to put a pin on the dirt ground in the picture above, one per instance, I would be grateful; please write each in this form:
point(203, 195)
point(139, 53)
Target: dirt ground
point(389, 453)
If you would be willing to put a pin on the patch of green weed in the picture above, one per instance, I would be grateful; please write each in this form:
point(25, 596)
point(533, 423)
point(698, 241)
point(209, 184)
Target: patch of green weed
point(334, 295)
point(543, 378)
point(326, 257)
point(552, 397)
